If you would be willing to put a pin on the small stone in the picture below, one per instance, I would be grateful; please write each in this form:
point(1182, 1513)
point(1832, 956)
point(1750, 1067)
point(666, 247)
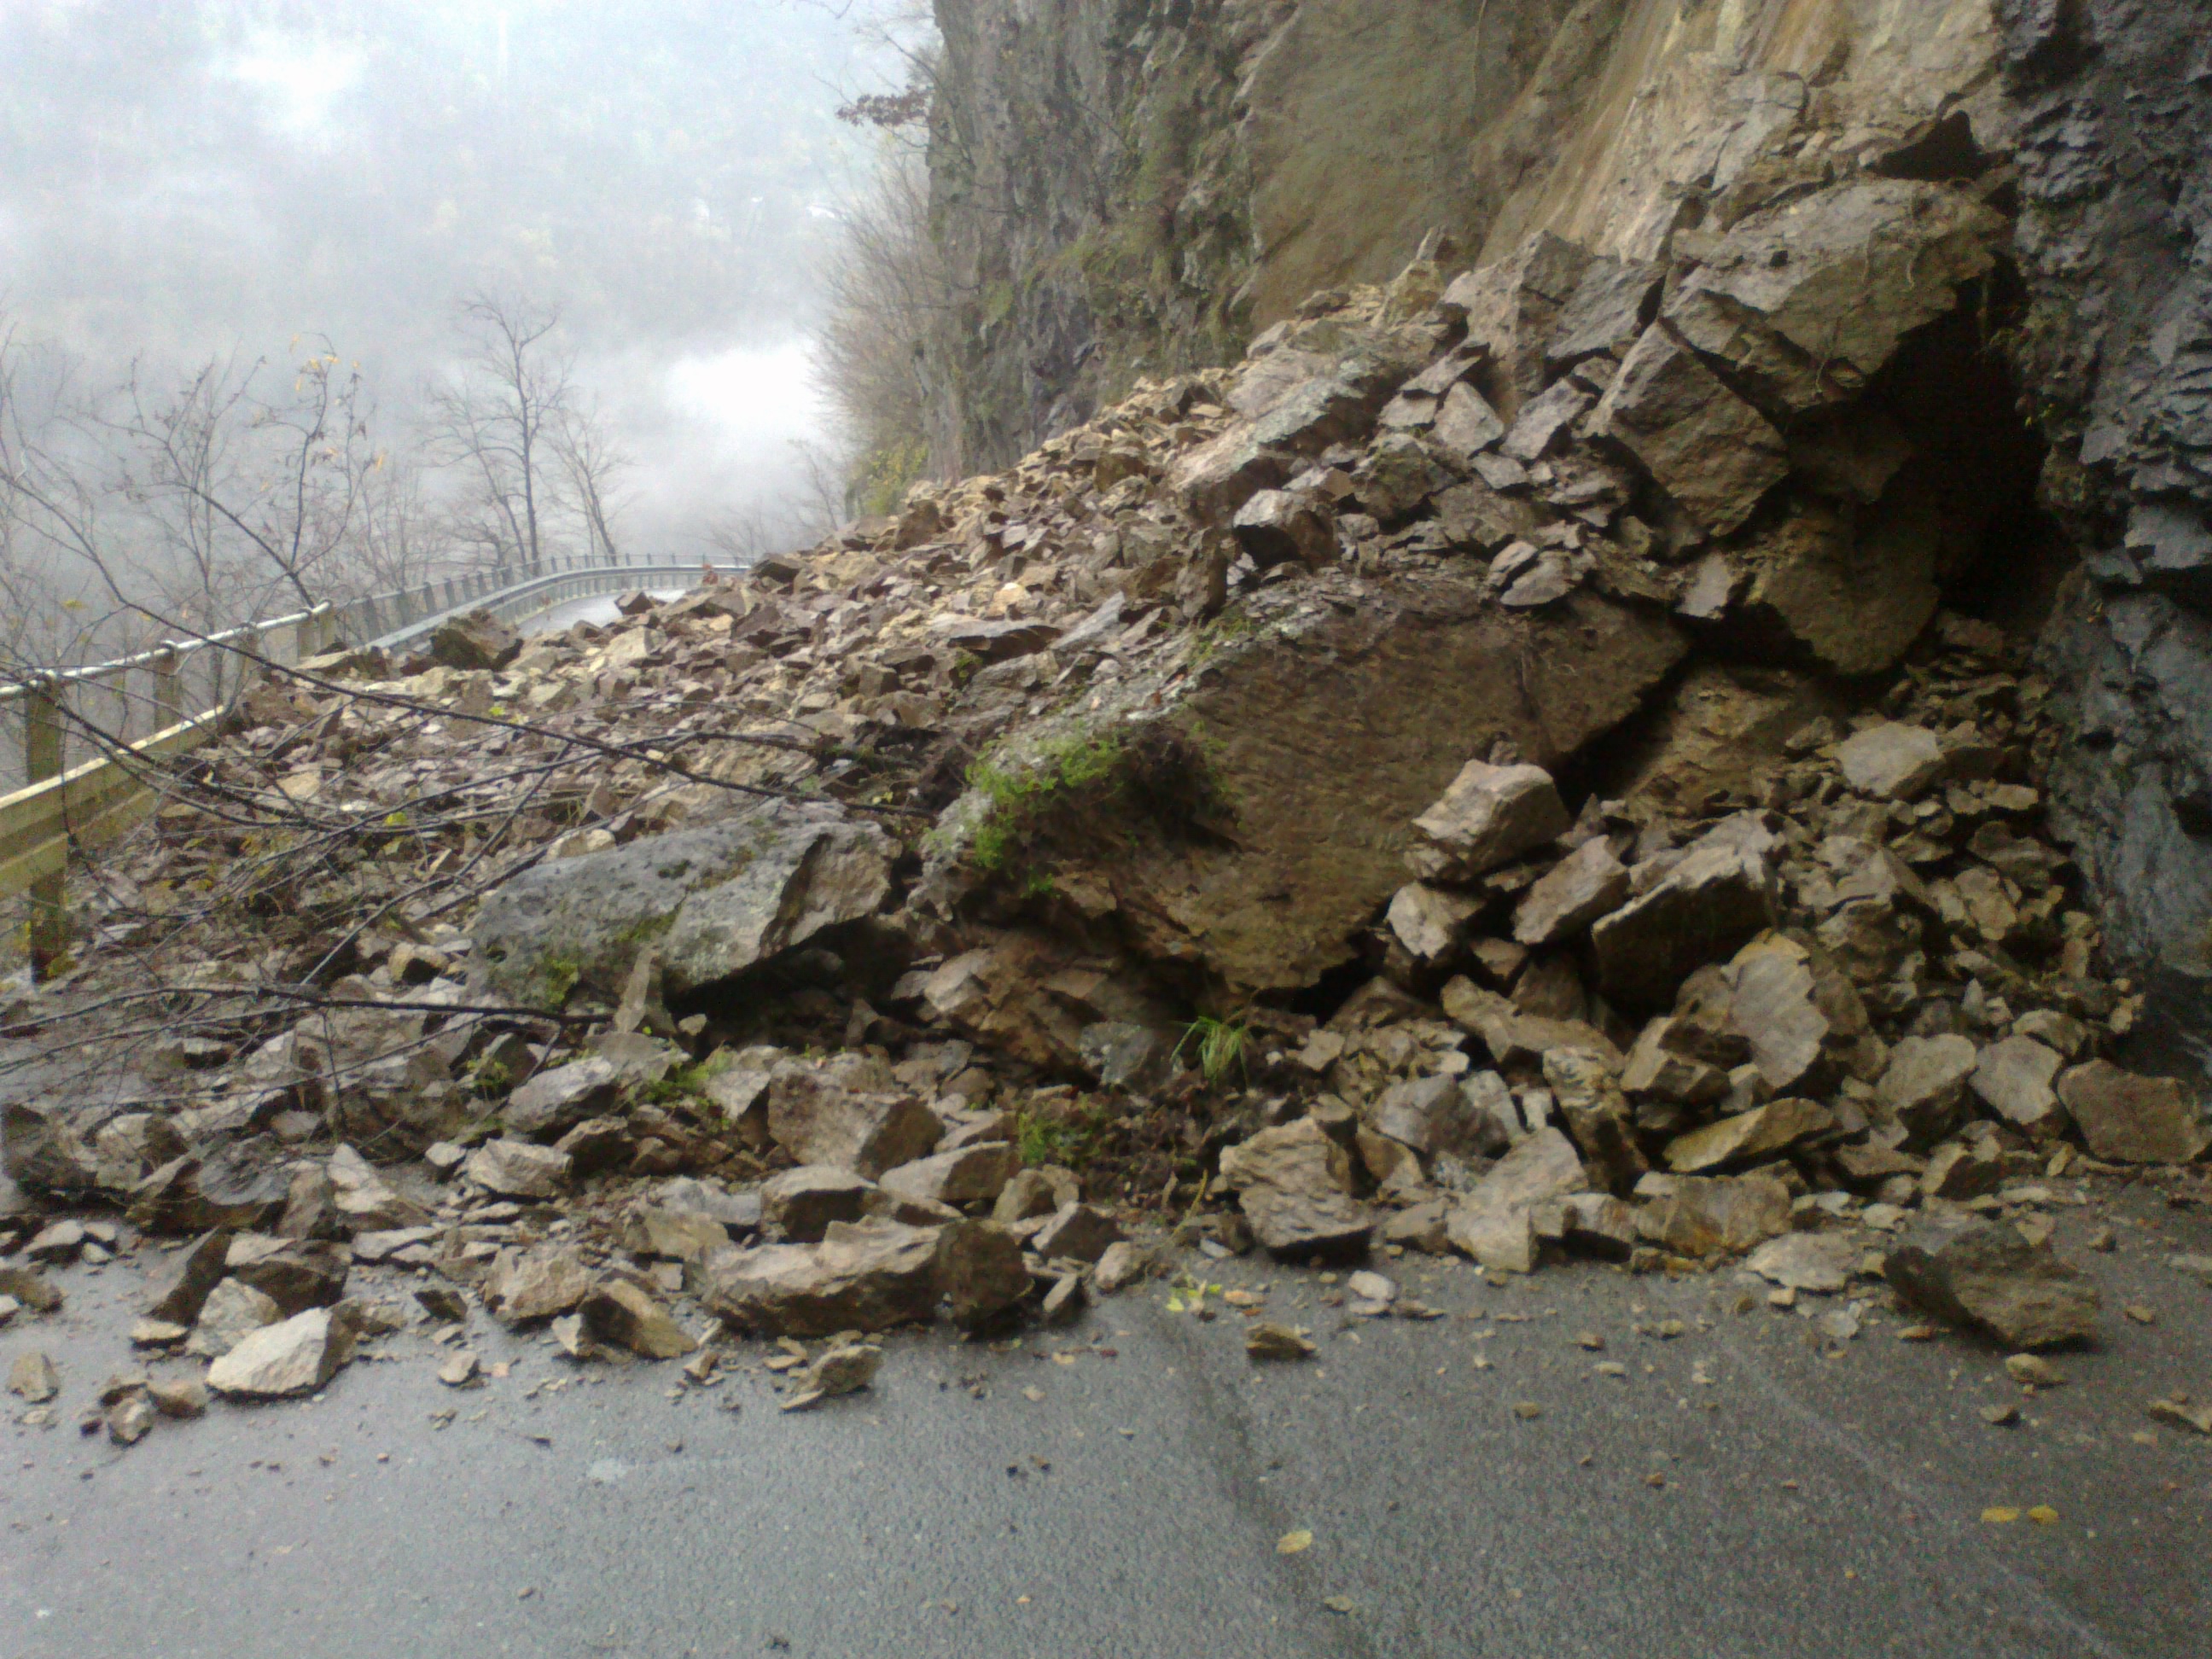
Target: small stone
point(130, 1419)
point(527, 1285)
point(157, 1334)
point(460, 1370)
point(1121, 1264)
point(2181, 1414)
point(179, 1397)
point(844, 1367)
point(31, 1288)
point(1268, 1341)
point(1818, 1262)
point(233, 1312)
point(1998, 1417)
point(973, 1174)
point(2033, 1370)
point(59, 1242)
point(1063, 1301)
point(1749, 1137)
point(1076, 1232)
point(35, 1377)
point(803, 1201)
point(1590, 882)
point(1036, 1191)
point(1490, 814)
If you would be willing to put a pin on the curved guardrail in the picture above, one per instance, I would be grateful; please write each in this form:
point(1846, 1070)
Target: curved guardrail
point(178, 693)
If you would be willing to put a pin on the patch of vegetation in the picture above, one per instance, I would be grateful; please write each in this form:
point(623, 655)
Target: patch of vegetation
point(558, 976)
point(1070, 1137)
point(1219, 1047)
point(1019, 798)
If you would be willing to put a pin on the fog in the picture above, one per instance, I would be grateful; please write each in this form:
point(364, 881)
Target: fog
point(178, 180)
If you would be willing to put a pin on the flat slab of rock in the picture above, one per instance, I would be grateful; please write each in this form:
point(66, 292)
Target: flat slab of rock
point(863, 1276)
point(712, 902)
point(2013, 1078)
point(1703, 1216)
point(1818, 1262)
point(1076, 1233)
point(1294, 1184)
point(1749, 1137)
point(527, 1285)
point(815, 1117)
point(1891, 761)
point(1708, 449)
point(1493, 1224)
point(1983, 1276)
point(295, 1356)
point(1715, 900)
point(1590, 882)
point(2127, 1119)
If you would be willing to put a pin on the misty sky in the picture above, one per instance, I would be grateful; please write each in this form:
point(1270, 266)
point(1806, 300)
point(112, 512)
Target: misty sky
point(181, 178)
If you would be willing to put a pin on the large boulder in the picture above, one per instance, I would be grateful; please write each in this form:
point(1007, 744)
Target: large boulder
point(848, 1115)
point(1712, 452)
point(1495, 1224)
point(712, 902)
point(477, 641)
point(2129, 1118)
point(295, 1356)
point(1718, 897)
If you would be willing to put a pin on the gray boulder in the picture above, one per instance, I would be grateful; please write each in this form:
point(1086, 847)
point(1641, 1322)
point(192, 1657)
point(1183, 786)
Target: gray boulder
point(712, 902)
point(863, 1276)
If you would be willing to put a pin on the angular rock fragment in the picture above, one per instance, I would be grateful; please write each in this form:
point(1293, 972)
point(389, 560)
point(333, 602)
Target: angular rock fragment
point(1925, 1080)
point(1590, 882)
point(1430, 922)
point(296, 1356)
point(201, 1268)
point(1267, 1342)
point(1489, 815)
point(518, 1168)
point(2127, 1119)
point(1294, 1184)
point(476, 642)
point(1076, 1233)
point(863, 1276)
point(973, 1174)
point(1984, 1275)
point(713, 900)
point(1712, 1215)
point(1281, 526)
point(803, 1201)
point(1749, 1137)
point(1596, 1114)
point(1036, 1191)
point(293, 1275)
point(1715, 899)
point(1707, 448)
point(2013, 1078)
point(620, 1315)
point(840, 1369)
point(560, 1097)
point(818, 1120)
point(979, 1271)
point(1518, 1041)
point(1819, 1262)
point(232, 1312)
point(1892, 762)
point(525, 1286)
point(1122, 1265)
point(34, 1376)
point(1492, 1223)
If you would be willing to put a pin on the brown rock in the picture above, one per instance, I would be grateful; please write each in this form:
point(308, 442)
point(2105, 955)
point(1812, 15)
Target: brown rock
point(817, 1122)
point(1430, 922)
point(1037, 1192)
point(1923, 1083)
point(1294, 1184)
point(1076, 1233)
point(1749, 1137)
point(803, 1201)
point(1281, 526)
point(1715, 1215)
point(295, 1356)
point(863, 1276)
point(1267, 1342)
point(621, 1314)
point(1708, 449)
point(979, 1271)
point(526, 1285)
point(1891, 761)
point(2013, 1078)
point(1518, 1041)
point(1490, 814)
point(2127, 1119)
point(1715, 900)
point(1492, 1223)
point(518, 1168)
point(1984, 1275)
point(973, 1174)
point(1590, 882)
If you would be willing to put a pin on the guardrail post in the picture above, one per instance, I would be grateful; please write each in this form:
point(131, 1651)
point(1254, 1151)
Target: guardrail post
point(168, 708)
point(42, 759)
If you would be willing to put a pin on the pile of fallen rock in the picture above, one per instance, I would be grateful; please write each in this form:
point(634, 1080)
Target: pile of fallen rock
point(727, 958)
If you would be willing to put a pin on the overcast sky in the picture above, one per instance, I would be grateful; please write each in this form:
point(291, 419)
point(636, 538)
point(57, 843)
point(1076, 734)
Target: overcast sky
point(178, 179)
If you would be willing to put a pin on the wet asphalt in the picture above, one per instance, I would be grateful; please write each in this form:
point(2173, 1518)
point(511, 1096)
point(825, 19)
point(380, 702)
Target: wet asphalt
point(1474, 1484)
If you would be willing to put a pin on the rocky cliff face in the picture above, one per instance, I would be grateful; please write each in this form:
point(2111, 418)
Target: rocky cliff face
point(2005, 403)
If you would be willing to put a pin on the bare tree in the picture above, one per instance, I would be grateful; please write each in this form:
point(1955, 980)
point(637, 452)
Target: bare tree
point(593, 464)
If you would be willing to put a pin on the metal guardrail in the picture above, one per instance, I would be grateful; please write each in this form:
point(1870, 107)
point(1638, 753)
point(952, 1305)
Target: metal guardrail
point(64, 809)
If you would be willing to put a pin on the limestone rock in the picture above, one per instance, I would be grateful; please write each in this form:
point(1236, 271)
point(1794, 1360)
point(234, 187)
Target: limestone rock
point(1984, 1274)
point(811, 1115)
point(1518, 1041)
point(1294, 1184)
point(41, 1153)
point(841, 1368)
point(1036, 1191)
point(1819, 1262)
point(557, 1099)
point(1280, 527)
point(1590, 882)
point(863, 1276)
point(1709, 449)
point(979, 1271)
point(231, 1313)
point(2013, 1078)
point(1266, 1342)
point(1430, 922)
point(296, 1356)
point(201, 1269)
point(1749, 1137)
point(1925, 1079)
point(2127, 1119)
point(476, 642)
point(973, 1174)
point(294, 1275)
point(525, 1286)
point(619, 1314)
point(713, 901)
point(33, 1289)
point(1076, 1233)
point(1892, 762)
point(34, 1376)
point(1596, 1114)
point(1715, 900)
point(1122, 1265)
point(1492, 1223)
point(518, 1168)
point(1490, 814)
point(1712, 1215)
point(803, 1201)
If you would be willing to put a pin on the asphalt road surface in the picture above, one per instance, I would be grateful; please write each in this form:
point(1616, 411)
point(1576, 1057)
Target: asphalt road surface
point(1120, 1488)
